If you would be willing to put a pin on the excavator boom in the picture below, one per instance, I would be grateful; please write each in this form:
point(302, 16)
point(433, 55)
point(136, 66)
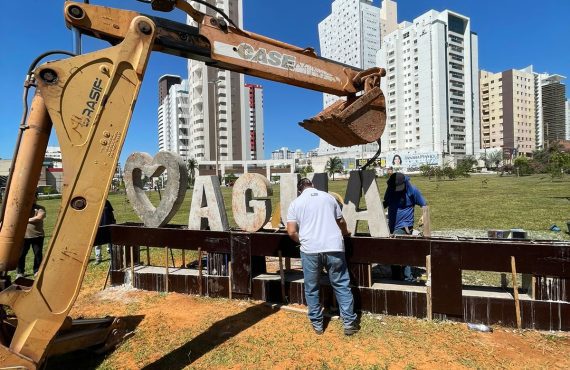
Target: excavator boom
point(359, 119)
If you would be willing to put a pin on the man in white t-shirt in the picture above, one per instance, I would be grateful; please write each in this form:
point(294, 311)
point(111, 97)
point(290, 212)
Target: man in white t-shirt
point(315, 221)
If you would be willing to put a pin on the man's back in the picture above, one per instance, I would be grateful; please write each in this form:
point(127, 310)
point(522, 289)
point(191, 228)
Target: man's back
point(316, 213)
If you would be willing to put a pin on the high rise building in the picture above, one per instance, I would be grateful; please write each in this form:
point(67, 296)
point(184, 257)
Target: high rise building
point(351, 35)
point(174, 119)
point(164, 84)
point(431, 87)
point(53, 152)
point(567, 119)
point(508, 111)
point(553, 108)
point(53, 157)
point(388, 17)
point(282, 153)
point(220, 127)
point(256, 131)
point(550, 107)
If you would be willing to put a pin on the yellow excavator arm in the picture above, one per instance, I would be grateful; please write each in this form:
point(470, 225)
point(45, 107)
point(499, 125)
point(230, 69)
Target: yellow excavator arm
point(359, 119)
point(89, 100)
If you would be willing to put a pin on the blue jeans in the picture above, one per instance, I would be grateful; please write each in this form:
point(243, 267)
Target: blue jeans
point(335, 264)
point(98, 251)
point(407, 269)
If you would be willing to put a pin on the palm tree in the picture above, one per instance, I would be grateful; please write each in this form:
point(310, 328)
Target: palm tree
point(334, 165)
point(191, 166)
point(495, 157)
point(485, 158)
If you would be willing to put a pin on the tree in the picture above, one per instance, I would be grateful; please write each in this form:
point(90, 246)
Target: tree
point(559, 163)
point(552, 160)
point(230, 179)
point(334, 165)
point(485, 158)
point(465, 166)
point(305, 170)
point(449, 172)
point(427, 171)
point(191, 166)
point(495, 157)
point(522, 166)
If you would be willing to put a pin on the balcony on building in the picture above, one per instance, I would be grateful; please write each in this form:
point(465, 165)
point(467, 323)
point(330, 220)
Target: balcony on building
point(455, 76)
point(455, 40)
point(198, 101)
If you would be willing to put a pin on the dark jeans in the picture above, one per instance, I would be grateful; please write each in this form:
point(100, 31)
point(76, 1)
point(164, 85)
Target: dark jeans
point(37, 245)
point(402, 272)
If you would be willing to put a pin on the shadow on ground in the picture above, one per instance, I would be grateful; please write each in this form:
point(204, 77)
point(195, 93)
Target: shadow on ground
point(89, 358)
point(215, 335)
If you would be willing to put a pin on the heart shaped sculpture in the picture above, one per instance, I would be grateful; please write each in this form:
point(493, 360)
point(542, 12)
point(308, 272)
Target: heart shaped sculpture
point(139, 164)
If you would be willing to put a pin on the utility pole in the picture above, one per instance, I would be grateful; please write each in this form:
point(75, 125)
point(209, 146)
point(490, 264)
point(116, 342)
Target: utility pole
point(216, 124)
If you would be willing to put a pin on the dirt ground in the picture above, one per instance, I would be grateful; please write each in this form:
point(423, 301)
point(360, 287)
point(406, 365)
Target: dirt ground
point(176, 331)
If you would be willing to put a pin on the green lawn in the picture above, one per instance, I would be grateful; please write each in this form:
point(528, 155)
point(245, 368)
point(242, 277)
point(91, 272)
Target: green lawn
point(531, 202)
point(479, 202)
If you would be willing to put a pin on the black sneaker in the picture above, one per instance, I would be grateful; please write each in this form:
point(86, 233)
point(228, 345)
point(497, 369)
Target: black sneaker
point(352, 329)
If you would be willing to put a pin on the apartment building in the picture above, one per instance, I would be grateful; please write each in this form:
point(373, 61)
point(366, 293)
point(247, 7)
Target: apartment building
point(219, 118)
point(174, 117)
point(388, 17)
point(164, 84)
point(553, 108)
point(549, 106)
point(350, 34)
point(256, 129)
point(567, 119)
point(508, 111)
point(282, 153)
point(431, 87)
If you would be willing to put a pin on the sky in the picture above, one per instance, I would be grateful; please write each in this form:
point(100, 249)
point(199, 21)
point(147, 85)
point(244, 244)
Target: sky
point(512, 34)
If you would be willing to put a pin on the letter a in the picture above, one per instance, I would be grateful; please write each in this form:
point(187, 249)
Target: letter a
point(207, 208)
point(374, 214)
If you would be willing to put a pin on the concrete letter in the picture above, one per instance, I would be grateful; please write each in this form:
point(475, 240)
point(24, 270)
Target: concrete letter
point(287, 193)
point(251, 204)
point(320, 181)
point(207, 207)
point(139, 164)
point(374, 214)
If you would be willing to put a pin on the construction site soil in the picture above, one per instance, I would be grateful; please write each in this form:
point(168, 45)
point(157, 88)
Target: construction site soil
point(176, 331)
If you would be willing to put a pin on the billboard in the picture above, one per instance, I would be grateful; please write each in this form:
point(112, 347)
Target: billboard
point(380, 162)
point(411, 161)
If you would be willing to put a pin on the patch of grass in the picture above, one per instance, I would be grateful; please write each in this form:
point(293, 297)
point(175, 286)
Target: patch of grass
point(379, 367)
point(553, 338)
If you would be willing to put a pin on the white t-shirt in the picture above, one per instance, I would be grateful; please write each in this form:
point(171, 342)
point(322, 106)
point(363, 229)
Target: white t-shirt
point(316, 213)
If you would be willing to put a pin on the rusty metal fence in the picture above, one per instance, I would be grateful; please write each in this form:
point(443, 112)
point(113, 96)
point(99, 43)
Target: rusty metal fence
point(541, 302)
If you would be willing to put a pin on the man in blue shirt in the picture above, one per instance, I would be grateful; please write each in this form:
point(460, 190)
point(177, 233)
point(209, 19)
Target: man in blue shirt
point(400, 198)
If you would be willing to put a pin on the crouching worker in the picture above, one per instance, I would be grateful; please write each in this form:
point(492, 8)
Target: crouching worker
point(315, 221)
point(400, 198)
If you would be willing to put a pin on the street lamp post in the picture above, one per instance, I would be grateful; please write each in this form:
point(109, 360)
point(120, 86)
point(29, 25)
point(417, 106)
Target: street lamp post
point(216, 125)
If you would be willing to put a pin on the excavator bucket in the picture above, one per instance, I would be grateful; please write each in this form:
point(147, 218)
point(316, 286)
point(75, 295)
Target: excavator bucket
point(356, 120)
